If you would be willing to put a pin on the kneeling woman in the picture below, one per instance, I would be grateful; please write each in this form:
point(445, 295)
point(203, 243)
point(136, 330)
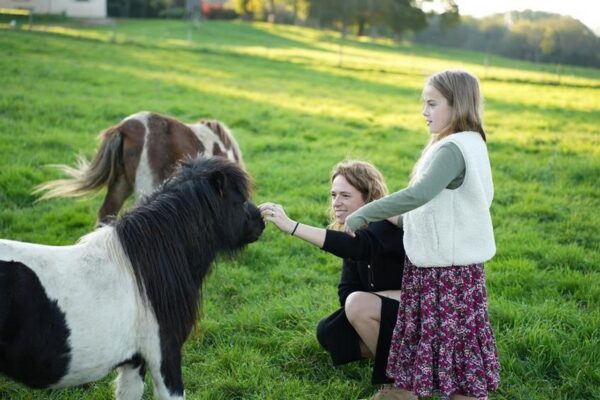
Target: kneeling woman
point(369, 289)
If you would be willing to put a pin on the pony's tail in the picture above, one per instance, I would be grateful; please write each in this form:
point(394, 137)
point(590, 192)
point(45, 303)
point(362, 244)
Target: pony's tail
point(87, 176)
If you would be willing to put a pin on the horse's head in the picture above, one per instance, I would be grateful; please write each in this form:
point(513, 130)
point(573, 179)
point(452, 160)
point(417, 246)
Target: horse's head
point(174, 235)
point(237, 220)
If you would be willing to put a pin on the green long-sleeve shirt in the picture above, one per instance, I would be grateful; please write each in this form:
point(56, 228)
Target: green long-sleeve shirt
point(447, 170)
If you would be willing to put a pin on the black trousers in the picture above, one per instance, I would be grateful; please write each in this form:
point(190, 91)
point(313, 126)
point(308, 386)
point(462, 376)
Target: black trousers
point(341, 341)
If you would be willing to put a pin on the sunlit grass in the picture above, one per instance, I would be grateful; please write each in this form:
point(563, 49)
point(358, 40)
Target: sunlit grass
point(298, 102)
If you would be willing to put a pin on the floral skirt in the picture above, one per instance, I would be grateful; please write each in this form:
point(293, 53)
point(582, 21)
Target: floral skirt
point(443, 342)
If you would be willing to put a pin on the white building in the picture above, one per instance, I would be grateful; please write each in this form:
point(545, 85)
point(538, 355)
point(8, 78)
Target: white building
point(71, 8)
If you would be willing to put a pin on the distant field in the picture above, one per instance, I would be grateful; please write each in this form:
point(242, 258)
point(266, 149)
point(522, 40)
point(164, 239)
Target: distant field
point(298, 101)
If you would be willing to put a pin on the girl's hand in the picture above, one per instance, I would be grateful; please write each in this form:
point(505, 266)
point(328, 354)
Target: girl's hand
point(274, 213)
point(347, 227)
point(349, 231)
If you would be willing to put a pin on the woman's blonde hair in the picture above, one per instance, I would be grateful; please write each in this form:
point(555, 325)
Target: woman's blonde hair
point(364, 177)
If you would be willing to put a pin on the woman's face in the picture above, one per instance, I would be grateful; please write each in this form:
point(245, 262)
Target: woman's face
point(436, 110)
point(345, 199)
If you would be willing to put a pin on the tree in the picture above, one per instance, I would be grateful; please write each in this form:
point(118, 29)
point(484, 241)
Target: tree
point(450, 17)
point(297, 7)
point(326, 12)
point(243, 7)
point(567, 40)
point(397, 15)
point(404, 15)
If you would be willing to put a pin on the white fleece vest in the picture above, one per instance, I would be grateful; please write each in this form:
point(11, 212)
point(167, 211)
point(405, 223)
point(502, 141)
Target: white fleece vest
point(455, 227)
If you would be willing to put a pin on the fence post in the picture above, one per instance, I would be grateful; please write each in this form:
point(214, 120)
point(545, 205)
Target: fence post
point(113, 39)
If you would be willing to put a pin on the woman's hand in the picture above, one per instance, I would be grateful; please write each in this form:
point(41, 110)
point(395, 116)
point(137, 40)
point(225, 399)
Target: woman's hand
point(274, 213)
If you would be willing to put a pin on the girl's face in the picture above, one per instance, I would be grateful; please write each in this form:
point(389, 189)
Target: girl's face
point(436, 110)
point(345, 199)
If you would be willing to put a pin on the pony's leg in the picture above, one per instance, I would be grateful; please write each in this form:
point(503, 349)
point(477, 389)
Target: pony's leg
point(116, 194)
point(168, 383)
point(130, 381)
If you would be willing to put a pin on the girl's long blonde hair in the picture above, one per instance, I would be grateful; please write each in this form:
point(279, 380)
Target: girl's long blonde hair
point(461, 90)
point(363, 176)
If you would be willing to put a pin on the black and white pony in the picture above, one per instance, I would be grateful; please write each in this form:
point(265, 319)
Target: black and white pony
point(126, 296)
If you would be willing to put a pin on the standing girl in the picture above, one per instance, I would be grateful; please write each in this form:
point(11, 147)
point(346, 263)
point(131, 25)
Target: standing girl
point(443, 341)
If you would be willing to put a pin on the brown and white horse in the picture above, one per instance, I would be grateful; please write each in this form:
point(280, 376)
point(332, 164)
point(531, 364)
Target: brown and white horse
point(137, 154)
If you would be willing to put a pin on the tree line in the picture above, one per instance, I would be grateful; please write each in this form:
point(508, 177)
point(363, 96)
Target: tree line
point(361, 17)
point(528, 35)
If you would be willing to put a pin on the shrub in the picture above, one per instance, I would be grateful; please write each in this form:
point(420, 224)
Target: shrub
point(217, 11)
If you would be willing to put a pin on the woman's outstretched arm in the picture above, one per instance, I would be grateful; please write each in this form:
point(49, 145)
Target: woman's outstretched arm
point(276, 214)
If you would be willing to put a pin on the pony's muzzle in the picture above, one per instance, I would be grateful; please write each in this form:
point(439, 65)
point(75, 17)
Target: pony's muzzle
point(255, 224)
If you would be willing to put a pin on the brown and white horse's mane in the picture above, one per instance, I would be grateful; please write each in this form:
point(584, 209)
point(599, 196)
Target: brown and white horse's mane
point(137, 154)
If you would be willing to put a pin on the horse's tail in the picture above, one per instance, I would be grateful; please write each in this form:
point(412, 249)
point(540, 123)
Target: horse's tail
point(87, 176)
point(226, 137)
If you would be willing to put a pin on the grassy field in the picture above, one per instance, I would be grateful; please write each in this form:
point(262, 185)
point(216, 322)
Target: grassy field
point(299, 101)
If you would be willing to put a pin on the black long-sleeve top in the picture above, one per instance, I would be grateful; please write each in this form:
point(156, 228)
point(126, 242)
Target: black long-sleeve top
point(373, 259)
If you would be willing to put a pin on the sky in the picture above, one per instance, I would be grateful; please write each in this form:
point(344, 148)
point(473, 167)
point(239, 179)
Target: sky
point(587, 11)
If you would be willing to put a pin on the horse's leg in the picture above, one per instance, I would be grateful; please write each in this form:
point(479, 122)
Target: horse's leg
point(130, 381)
point(116, 194)
point(168, 383)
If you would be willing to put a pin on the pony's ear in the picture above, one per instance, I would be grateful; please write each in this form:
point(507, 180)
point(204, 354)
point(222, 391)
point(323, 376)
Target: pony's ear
point(218, 180)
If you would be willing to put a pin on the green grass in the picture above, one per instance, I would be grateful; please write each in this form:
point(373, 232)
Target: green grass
point(298, 103)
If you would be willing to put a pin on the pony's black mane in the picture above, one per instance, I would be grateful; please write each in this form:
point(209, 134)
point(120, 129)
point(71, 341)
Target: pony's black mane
point(172, 238)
